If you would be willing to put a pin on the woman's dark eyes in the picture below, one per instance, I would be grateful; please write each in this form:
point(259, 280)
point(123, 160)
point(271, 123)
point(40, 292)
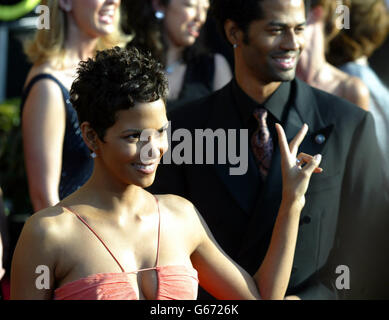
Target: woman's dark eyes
point(136, 136)
point(161, 131)
point(133, 136)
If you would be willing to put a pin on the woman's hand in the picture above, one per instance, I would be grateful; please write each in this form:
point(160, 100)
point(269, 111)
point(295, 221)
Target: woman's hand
point(295, 176)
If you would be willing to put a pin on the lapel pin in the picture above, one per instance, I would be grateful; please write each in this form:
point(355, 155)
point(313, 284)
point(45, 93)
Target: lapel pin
point(320, 139)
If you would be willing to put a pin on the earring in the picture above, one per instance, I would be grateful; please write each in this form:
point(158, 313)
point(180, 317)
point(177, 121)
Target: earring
point(235, 45)
point(159, 15)
point(93, 155)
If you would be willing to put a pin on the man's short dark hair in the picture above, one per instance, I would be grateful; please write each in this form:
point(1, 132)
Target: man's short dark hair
point(242, 12)
point(116, 79)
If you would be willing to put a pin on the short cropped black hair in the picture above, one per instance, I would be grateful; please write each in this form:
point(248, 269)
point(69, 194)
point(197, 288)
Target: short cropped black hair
point(242, 12)
point(115, 79)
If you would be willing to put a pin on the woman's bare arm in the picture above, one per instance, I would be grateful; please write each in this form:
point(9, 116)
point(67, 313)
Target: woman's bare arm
point(33, 262)
point(43, 126)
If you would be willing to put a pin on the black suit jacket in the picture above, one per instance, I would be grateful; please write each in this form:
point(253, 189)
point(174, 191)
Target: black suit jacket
point(345, 205)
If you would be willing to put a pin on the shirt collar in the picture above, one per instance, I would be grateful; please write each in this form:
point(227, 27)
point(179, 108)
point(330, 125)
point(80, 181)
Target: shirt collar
point(275, 104)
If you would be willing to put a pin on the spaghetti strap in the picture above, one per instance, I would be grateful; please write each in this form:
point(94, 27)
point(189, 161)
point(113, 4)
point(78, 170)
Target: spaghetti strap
point(106, 247)
point(159, 231)
point(87, 225)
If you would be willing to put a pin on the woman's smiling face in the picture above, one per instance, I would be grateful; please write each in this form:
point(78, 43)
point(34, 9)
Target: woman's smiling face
point(134, 145)
point(96, 18)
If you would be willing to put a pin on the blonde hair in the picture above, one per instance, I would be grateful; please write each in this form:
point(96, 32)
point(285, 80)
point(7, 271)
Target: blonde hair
point(370, 28)
point(49, 44)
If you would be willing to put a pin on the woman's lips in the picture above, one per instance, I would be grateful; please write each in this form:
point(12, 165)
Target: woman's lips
point(107, 16)
point(193, 31)
point(145, 168)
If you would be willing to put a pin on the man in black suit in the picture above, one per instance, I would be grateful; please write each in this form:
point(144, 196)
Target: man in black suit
point(346, 209)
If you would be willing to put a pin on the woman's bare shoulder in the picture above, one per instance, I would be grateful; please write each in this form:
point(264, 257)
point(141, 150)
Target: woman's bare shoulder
point(42, 95)
point(176, 204)
point(39, 69)
point(357, 92)
point(184, 216)
point(181, 209)
point(48, 224)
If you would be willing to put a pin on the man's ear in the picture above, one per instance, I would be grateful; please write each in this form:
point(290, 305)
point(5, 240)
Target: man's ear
point(89, 135)
point(66, 5)
point(233, 33)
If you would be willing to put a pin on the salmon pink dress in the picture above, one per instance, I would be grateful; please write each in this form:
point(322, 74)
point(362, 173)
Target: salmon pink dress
point(175, 282)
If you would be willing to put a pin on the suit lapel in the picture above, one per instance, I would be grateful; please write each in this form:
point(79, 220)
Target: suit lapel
point(243, 187)
point(307, 111)
point(303, 110)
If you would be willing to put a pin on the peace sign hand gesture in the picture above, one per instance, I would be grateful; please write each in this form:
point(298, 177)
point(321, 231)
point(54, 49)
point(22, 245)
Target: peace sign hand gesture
point(295, 178)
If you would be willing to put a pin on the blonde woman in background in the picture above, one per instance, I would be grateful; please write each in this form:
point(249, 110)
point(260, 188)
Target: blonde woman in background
point(56, 158)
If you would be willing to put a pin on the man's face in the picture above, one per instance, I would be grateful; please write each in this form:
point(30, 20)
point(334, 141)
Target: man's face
point(276, 41)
